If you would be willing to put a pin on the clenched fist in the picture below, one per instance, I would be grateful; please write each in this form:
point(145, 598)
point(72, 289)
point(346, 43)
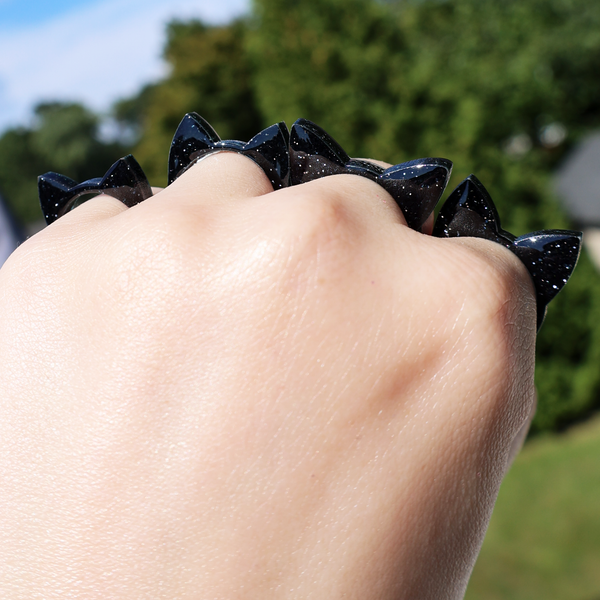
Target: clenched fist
point(230, 392)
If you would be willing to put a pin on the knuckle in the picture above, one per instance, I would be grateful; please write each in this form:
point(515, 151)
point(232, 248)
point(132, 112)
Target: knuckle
point(501, 294)
point(488, 340)
point(496, 292)
point(31, 267)
point(489, 302)
point(320, 228)
point(147, 258)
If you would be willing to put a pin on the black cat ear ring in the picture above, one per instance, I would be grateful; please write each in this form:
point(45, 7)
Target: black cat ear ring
point(314, 153)
point(124, 181)
point(549, 256)
point(416, 186)
point(195, 138)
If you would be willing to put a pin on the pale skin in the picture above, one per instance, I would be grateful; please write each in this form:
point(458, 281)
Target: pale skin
point(227, 392)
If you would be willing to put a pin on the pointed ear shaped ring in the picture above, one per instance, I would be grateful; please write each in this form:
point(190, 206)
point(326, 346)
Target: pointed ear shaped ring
point(550, 256)
point(416, 186)
point(124, 181)
point(195, 138)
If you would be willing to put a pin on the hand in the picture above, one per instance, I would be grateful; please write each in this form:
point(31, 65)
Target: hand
point(229, 392)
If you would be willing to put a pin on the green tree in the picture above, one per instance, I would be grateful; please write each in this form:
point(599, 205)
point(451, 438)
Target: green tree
point(210, 74)
point(19, 168)
point(336, 62)
point(64, 138)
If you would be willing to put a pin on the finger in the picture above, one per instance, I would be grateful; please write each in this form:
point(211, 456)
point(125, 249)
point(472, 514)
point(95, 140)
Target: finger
point(483, 313)
point(218, 178)
point(343, 202)
point(503, 291)
point(379, 163)
point(508, 268)
point(96, 209)
point(380, 200)
point(427, 227)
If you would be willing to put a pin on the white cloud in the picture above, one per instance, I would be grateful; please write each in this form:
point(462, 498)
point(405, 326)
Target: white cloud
point(93, 55)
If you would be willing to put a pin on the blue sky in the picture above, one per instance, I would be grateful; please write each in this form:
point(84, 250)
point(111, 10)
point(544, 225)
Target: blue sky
point(90, 51)
point(24, 13)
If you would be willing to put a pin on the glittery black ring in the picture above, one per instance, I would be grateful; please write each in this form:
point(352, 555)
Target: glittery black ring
point(125, 181)
point(416, 186)
point(550, 256)
point(196, 138)
point(310, 153)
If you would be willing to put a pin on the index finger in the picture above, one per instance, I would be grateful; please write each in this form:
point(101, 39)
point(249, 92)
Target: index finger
point(218, 178)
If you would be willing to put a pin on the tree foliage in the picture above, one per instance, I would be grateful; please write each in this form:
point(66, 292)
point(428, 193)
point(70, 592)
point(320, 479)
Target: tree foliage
point(210, 74)
point(64, 138)
point(19, 168)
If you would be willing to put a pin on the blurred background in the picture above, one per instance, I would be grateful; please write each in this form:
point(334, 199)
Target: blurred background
point(507, 90)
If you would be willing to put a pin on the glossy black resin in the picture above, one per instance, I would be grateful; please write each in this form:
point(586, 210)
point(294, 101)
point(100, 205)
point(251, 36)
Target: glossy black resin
point(195, 138)
point(416, 186)
point(310, 153)
point(125, 181)
point(549, 256)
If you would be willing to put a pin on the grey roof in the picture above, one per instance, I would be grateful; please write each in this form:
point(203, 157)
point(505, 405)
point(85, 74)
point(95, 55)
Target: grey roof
point(577, 182)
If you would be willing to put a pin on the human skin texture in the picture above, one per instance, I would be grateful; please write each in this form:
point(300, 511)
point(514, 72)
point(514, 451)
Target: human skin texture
point(227, 392)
